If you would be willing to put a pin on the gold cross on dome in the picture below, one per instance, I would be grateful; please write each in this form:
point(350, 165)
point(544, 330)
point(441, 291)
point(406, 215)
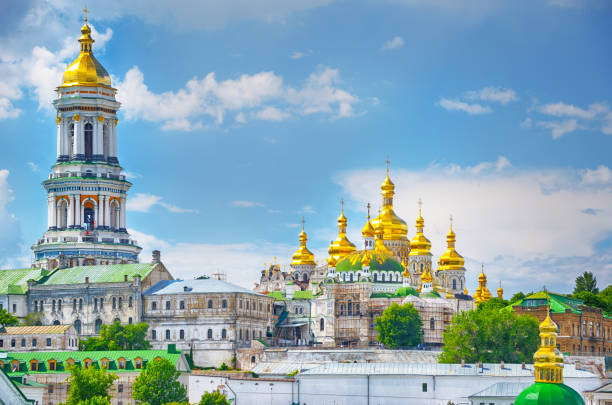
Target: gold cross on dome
point(342, 204)
point(85, 10)
point(388, 162)
point(451, 221)
point(369, 210)
point(420, 205)
point(303, 222)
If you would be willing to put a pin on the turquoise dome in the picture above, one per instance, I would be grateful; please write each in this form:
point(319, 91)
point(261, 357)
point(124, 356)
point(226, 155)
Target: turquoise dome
point(548, 394)
point(379, 261)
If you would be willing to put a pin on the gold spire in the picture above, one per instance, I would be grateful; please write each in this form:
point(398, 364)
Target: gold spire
point(394, 228)
point(341, 246)
point(303, 256)
point(86, 70)
point(426, 277)
point(500, 291)
point(368, 229)
point(482, 293)
point(548, 361)
point(451, 259)
point(420, 245)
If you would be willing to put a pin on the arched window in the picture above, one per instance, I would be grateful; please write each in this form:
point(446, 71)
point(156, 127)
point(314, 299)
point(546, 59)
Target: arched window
point(138, 362)
point(88, 141)
point(70, 362)
point(87, 362)
point(104, 362)
point(52, 365)
point(209, 334)
point(56, 322)
point(182, 334)
point(120, 302)
point(98, 325)
point(154, 306)
point(305, 277)
point(62, 214)
point(71, 135)
point(77, 326)
point(121, 363)
point(351, 277)
point(130, 302)
point(153, 334)
point(88, 215)
point(13, 343)
point(454, 284)
point(114, 303)
point(15, 365)
point(383, 277)
point(421, 267)
point(33, 365)
point(252, 359)
point(247, 334)
point(322, 324)
point(53, 306)
point(210, 304)
point(432, 324)
point(375, 277)
point(167, 334)
point(223, 334)
point(81, 304)
point(114, 214)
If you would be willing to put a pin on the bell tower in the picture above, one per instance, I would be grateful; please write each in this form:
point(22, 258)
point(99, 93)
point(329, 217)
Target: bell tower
point(86, 192)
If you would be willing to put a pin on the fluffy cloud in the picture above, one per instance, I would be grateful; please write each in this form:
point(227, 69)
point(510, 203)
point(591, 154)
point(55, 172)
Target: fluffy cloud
point(472, 109)
point(490, 94)
point(241, 262)
point(517, 222)
point(246, 204)
point(597, 116)
point(209, 98)
point(394, 43)
point(10, 236)
point(142, 202)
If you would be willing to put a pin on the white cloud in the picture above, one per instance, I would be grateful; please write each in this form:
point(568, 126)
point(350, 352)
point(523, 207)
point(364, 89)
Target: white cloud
point(241, 262)
point(246, 204)
point(394, 43)
point(33, 166)
point(307, 209)
point(491, 93)
point(455, 105)
point(207, 97)
point(142, 202)
point(526, 123)
point(516, 221)
point(569, 110)
point(560, 128)
point(10, 236)
point(298, 55)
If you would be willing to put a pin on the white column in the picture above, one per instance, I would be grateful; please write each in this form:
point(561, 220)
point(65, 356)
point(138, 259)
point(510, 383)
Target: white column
point(54, 211)
point(122, 216)
point(113, 143)
point(106, 211)
point(60, 145)
point(71, 211)
point(77, 210)
point(79, 147)
point(82, 214)
point(49, 212)
point(99, 211)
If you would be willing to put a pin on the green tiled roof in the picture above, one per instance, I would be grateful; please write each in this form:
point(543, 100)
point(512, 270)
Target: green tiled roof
point(378, 261)
point(277, 295)
point(558, 303)
point(96, 357)
point(302, 295)
point(113, 273)
point(16, 281)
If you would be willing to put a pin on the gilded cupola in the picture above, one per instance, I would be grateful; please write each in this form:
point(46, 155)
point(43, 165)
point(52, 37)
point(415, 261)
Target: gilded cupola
point(451, 259)
point(394, 228)
point(86, 70)
point(482, 293)
point(303, 256)
point(500, 291)
point(420, 245)
point(368, 230)
point(341, 246)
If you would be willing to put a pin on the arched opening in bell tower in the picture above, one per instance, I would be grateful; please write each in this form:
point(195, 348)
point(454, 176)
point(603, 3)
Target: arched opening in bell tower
point(89, 216)
point(114, 214)
point(88, 141)
point(62, 217)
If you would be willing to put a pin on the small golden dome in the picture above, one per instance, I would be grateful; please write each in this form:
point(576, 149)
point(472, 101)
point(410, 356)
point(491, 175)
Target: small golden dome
point(482, 278)
point(394, 228)
point(548, 325)
point(303, 256)
point(420, 245)
point(451, 259)
point(368, 229)
point(426, 277)
point(86, 70)
point(465, 291)
point(500, 291)
point(341, 246)
point(366, 259)
point(482, 293)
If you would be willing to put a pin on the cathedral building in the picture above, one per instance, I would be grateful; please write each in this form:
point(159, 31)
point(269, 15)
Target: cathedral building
point(86, 192)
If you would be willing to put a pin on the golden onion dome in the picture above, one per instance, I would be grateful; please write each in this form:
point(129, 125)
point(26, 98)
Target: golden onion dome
point(548, 325)
point(303, 256)
point(368, 230)
point(482, 278)
point(500, 291)
point(341, 246)
point(451, 259)
point(86, 70)
point(420, 245)
point(426, 277)
point(394, 227)
point(482, 293)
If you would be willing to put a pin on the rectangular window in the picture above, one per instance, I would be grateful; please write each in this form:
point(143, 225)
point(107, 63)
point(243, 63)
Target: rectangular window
point(167, 304)
point(14, 308)
point(424, 387)
point(153, 335)
point(182, 305)
point(34, 342)
point(120, 388)
point(48, 341)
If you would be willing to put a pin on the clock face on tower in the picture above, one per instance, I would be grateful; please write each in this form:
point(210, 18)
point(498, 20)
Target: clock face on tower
point(86, 191)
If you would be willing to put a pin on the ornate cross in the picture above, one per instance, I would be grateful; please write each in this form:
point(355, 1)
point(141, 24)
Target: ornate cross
point(388, 162)
point(85, 11)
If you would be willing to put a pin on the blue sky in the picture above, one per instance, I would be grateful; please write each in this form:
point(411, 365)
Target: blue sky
point(239, 119)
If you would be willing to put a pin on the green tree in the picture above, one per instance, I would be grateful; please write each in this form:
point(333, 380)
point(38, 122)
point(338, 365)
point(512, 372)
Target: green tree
point(32, 319)
point(7, 319)
point(592, 300)
point(119, 337)
point(157, 384)
point(586, 282)
point(399, 326)
point(517, 297)
point(89, 386)
point(490, 334)
point(213, 398)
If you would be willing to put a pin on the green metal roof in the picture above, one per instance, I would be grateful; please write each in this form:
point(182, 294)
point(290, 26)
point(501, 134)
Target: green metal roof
point(302, 295)
point(277, 295)
point(79, 357)
point(16, 281)
point(113, 273)
point(558, 303)
point(378, 261)
point(548, 394)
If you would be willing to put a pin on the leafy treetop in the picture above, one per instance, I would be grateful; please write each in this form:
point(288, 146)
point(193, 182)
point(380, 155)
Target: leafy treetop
point(119, 337)
point(157, 384)
point(399, 326)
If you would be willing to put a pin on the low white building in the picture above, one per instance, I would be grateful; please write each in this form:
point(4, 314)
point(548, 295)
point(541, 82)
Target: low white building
point(48, 338)
point(599, 396)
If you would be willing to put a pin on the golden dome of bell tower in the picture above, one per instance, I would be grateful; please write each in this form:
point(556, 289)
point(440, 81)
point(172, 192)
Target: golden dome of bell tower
point(86, 70)
point(451, 270)
point(303, 256)
point(482, 293)
point(341, 246)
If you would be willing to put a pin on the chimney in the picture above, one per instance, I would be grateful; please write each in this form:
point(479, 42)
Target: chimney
point(523, 366)
point(86, 280)
point(502, 364)
point(156, 257)
point(125, 277)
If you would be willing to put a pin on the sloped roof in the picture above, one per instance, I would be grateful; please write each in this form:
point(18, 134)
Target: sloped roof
point(112, 273)
point(35, 330)
point(208, 285)
point(502, 389)
point(16, 281)
point(558, 303)
point(43, 358)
